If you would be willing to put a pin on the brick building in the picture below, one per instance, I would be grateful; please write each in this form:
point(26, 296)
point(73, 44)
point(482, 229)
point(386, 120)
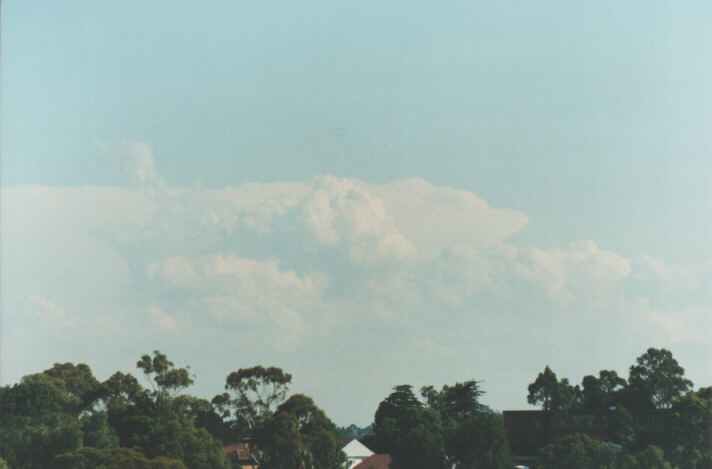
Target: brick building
point(530, 430)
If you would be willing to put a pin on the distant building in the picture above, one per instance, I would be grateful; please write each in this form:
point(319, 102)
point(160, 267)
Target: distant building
point(355, 452)
point(241, 454)
point(528, 431)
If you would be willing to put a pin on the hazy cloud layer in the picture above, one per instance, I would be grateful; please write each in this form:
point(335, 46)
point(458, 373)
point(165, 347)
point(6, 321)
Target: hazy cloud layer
point(396, 282)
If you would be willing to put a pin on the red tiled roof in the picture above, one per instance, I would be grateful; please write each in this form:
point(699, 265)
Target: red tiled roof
point(238, 452)
point(377, 461)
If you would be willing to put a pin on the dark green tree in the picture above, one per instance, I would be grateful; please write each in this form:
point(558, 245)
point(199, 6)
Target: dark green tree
point(577, 451)
point(299, 435)
point(78, 383)
point(253, 394)
point(472, 438)
point(165, 379)
point(160, 422)
point(651, 457)
point(600, 393)
point(545, 390)
point(419, 442)
point(97, 431)
point(391, 413)
point(688, 429)
point(655, 381)
point(477, 442)
point(458, 402)
point(571, 397)
point(37, 423)
point(620, 426)
point(117, 458)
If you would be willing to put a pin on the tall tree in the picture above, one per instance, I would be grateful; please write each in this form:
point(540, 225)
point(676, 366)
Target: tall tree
point(418, 442)
point(160, 422)
point(78, 381)
point(452, 432)
point(299, 436)
point(390, 416)
point(600, 393)
point(545, 390)
point(656, 380)
point(254, 393)
point(165, 379)
point(571, 397)
point(458, 402)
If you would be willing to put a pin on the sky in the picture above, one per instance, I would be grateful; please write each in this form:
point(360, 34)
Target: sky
point(364, 194)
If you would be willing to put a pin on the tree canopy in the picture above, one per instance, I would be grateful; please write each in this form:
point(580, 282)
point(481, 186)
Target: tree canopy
point(254, 393)
point(449, 430)
point(656, 380)
point(300, 436)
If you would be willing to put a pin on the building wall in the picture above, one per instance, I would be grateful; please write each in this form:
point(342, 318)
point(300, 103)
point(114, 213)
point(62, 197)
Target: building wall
point(530, 430)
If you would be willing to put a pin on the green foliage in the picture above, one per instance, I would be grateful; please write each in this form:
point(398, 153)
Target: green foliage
point(419, 441)
point(159, 423)
point(478, 442)
point(620, 426)
point(600, 393)
point(457, 402)
point(688, 430)
point(116, 458)
point(545, 390)
point(571, 396)
point(390, 413)
point(577, 451)
point(256, 392)
point(80, 388)
point(97, 431)
point(399, 401)
point(355, 432)
point(64, 417)
point(163, 376)
point(655, 381)
point(120, 390)
point(36, 423)
point(451, 432)
point(299, 436)
point(651, 457)
point(176, 437)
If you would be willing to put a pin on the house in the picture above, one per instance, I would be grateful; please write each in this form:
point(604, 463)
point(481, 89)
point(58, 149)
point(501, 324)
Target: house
point(377, 461)
point(240, 454)
point(355, 452)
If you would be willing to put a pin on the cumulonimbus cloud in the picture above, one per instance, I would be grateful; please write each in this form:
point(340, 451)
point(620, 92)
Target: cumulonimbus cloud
point(289, 265)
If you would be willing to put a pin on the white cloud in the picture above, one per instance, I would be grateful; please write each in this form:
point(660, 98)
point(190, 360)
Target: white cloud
point(681, 325)
point(325, 268)
point(50, 314)
point(578, 271)
point(164, 322)
point(435, 218)
point(240, 290)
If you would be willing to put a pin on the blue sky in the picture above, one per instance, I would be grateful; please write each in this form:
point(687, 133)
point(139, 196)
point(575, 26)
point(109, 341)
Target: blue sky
point(364, 194)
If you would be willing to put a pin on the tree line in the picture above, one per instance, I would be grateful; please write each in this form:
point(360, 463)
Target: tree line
point(64, 417)
point(656, 385)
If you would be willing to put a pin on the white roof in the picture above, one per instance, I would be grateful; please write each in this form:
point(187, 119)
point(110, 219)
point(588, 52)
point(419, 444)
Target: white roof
point(355, 449)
